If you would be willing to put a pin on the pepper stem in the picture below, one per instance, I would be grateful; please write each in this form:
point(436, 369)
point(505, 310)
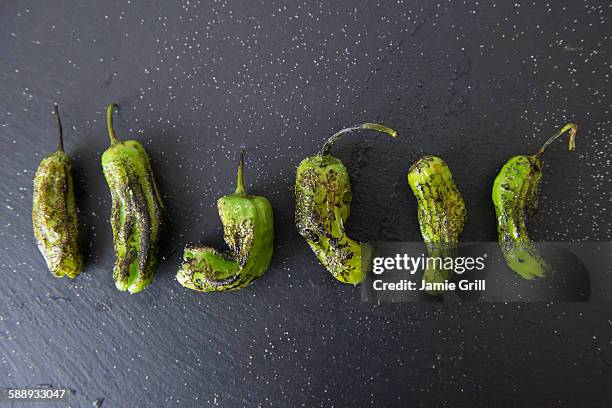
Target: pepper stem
point(109, 122)
point(368, 126)
point(240, 190)
point(571, 127)
point(60, 130)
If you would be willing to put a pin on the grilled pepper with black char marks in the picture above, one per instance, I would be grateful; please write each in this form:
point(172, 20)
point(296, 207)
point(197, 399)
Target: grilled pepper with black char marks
point(138, 213)
point(441, 212)
point(248, 227)
point(54, 216)
point(515, 196)
point(322, 207)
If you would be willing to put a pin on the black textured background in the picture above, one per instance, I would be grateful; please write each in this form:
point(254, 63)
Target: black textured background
point(472, 82)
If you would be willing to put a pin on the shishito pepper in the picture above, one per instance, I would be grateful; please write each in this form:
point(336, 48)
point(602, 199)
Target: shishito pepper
point(137, 213)
point(322, 207)
point(248, 227)
point(54, 215)
point(515, 196)
point(441, 212)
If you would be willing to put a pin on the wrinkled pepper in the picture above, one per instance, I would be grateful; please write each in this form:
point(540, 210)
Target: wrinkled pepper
point(441, 213)
point(54, 214)
point(137, 214)
point(248, 228)
point(515, 196)
point(322, 207)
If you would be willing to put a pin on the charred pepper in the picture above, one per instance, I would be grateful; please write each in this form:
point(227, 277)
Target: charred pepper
point(322, 207)
point(248, 227)
point(441, 212)
point(54, 215)
point(515, 196)
point(137, 213)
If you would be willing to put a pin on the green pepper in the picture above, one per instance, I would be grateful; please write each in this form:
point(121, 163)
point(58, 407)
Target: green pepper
point(515, 196)
point(441, 213)
point(322, 207)
point(137, 215)
point(248, 227)
point(54, 215)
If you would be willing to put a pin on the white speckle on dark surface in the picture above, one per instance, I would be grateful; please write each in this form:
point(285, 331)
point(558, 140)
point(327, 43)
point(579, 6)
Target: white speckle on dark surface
point(472, 82)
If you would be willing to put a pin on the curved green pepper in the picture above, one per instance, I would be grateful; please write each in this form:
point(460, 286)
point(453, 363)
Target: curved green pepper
point(515, 196)
point(248, 227)
point(322, 207)
point(441, 212)
point(137, 211)
point(54, 216)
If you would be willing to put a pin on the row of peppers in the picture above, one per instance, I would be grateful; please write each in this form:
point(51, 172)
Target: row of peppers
point(322, 196)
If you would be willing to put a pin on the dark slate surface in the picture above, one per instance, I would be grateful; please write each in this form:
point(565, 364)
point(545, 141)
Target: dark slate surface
point(474, 83)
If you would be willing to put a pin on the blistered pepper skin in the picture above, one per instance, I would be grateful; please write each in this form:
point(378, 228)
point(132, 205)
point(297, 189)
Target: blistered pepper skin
point(137, 214)
point(441, 212)
point(515, 197)
point(54, 215)
point(248, 226)
point(323, 204)
point(322, 207)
